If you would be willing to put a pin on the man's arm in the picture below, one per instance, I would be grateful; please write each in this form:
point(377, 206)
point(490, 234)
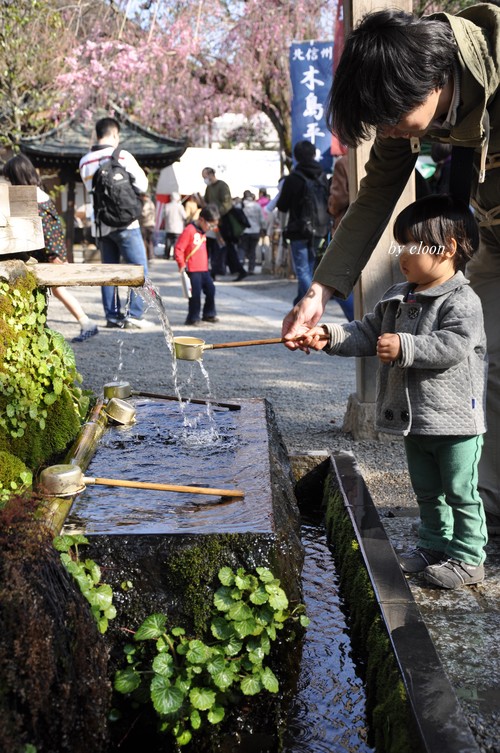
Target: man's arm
point(132, 166)
point(390, 165)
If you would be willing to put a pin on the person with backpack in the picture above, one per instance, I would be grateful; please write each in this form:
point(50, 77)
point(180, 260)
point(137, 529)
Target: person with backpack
point(304, 195)
point(114, 181)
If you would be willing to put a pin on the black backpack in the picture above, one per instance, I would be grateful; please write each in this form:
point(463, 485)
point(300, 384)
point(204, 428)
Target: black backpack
point(115, 198)
point(313, 220)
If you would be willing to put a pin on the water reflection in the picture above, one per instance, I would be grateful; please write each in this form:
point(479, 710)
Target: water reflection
point(327, 712)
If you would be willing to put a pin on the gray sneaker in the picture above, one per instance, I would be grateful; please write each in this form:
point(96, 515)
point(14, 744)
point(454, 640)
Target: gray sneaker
point(452, 574)
point(418, 559)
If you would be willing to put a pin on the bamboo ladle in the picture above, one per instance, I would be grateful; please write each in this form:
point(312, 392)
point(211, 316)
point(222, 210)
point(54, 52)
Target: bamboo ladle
point(191, 348)
point(65, 480)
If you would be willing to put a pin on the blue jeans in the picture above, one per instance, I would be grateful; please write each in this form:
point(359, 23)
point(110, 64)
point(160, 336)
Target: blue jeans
point(201, 281)
point(303, 256)
point(129, 245)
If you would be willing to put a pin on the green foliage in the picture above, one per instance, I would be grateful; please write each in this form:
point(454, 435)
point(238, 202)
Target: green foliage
point(190, 681)
point(15, 477)
point(87, 574)
point(41, 404)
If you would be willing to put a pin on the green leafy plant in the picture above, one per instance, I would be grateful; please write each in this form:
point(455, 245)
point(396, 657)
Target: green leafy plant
point(88, 576)
point(190, 681)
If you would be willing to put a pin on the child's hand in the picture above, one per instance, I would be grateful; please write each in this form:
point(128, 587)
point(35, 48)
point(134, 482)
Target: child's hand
point(314, 338)
point(388, 347)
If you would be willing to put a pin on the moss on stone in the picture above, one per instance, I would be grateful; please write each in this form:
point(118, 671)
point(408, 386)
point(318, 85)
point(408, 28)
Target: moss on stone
point(195, 569)
point(40, 402)
point(388, 709)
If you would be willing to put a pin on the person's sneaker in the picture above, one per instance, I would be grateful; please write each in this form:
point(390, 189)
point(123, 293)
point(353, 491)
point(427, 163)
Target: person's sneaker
point(417, 560)
point(115, 322)
point(195, 323)
point(212, 319)
point(85, 334)
point(131, 322)
point(451, 573)
point(241, 276)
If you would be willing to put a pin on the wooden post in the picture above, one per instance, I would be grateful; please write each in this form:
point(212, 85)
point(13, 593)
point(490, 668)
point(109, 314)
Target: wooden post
point(380, 272)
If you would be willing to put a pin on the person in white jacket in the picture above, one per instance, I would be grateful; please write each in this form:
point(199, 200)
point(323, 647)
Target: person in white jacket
point(115, 243)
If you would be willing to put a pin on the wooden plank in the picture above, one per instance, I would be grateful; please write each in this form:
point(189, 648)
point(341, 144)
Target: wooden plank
point(20, 234)
point(53, 275)
point(23, 202)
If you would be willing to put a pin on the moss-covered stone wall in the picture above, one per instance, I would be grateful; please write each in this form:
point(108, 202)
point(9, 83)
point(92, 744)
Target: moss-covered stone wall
point(41, 403)
point(388, 710)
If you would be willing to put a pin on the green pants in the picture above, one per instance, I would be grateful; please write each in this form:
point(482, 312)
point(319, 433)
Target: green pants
point(443, 473)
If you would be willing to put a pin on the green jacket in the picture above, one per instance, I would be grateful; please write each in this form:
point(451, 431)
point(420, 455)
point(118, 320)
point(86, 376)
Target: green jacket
point(391, 161)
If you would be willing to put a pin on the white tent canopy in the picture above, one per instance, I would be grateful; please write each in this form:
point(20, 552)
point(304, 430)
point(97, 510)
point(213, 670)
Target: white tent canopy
point(240, 169)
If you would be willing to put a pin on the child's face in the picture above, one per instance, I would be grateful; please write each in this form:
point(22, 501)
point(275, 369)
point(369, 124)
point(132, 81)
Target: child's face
point(205, 225)
point(427, 266)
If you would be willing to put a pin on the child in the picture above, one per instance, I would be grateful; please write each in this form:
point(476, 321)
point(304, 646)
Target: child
point(190, 252)
point(428, 334)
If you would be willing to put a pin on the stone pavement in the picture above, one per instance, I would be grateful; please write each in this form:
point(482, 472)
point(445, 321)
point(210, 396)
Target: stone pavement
point(309, 396)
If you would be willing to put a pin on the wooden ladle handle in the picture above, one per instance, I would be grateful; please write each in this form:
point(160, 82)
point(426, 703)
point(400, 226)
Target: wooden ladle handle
point(166, 487)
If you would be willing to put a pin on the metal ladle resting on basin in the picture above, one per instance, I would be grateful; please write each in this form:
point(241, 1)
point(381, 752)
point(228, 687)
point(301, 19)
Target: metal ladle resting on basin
point(191, 348)
point(65, 480)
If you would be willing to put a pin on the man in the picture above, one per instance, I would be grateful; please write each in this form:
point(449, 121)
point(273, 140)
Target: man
point(454, 98)
point(217, 192)
point(304, 247)
point(113, 242)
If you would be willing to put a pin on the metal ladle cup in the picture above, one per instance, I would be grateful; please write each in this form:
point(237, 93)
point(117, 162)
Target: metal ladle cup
point(191, 348)
point(65, 480)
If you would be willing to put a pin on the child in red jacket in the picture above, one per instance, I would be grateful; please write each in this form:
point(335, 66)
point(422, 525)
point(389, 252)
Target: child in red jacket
point(190, 253)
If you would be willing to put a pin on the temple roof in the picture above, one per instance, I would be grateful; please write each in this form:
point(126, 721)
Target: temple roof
point(65, 145)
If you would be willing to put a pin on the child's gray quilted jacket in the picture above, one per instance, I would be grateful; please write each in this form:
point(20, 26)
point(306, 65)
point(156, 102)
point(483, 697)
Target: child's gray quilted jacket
point(438, 385)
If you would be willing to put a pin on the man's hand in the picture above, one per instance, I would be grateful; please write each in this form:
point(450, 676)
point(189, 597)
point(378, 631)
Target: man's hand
point(388, 347)
point(305, 314)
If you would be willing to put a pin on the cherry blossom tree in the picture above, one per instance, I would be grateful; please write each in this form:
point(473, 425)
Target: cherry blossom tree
point(182, 64)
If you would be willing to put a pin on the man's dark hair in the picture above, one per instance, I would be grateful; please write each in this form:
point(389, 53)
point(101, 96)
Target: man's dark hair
point(105, 126)
point(210, 213)
point(20, 171)
point(304, 151)
point(434, 220)
point(391, 62)
point(208, 170)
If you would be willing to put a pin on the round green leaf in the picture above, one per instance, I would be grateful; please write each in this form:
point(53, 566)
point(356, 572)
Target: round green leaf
point(221, 628)
point(250, 685)
point(223, 680)
point(198, 652)
point(240, 611)
point(152, 627)
point(277, 599)
point(226, 576)
point(202, 698)
point(245, 627)
point(184, 738)
point(163, 664)
point(265, 575)
point(259, 596)
point(269, 680)
point(127, 680)
point(223, 600)
point(166, 698)
point(216, 714)
point(195, 719)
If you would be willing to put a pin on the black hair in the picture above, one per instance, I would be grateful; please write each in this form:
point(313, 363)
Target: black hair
point(20, 171)
point(208, 170)
point(391, 62)
point(210, 213)
point(304, 151)
point(434, 221)
point(105, 126)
